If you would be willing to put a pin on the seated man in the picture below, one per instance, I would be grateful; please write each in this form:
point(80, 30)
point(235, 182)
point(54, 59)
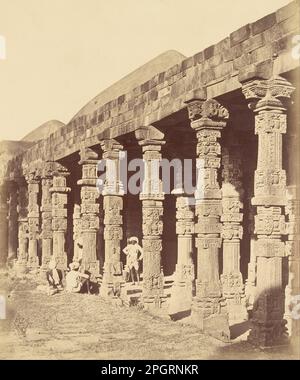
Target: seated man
point(54, 277)
point(75, 279)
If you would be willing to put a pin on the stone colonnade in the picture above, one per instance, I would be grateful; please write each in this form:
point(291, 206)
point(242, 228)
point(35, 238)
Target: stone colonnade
point(215, 220)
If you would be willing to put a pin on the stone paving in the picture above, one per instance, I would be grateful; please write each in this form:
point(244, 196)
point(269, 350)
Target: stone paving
point(78, 326)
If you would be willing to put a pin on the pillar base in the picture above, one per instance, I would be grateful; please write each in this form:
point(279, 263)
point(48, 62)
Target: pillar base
point(211, 317)
point(93, 268)
point(33, 264)
point(131, 295)
point(20, 267)
point(268, 328)
point(154, 303)
point(181, 298)
point(112, 280)
point(182, 290)
point(233, 291)
point(295, 336)
point(264, 335)
point(236, 312)
point(112, 288)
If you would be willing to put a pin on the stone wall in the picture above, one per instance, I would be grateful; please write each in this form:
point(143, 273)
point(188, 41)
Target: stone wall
point(254, 48)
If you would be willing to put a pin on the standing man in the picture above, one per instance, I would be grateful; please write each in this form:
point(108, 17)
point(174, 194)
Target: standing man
point(134, 253)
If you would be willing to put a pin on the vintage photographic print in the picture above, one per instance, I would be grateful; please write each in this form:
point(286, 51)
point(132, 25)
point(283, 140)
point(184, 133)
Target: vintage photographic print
point(149, 181)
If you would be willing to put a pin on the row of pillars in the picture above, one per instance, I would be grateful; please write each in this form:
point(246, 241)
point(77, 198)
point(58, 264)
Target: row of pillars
point(218, 220)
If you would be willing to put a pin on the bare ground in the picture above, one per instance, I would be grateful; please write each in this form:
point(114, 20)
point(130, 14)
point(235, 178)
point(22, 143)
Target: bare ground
point(79, 326)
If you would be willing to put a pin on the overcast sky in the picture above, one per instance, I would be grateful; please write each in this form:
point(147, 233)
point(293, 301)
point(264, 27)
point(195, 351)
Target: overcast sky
point(62, 53)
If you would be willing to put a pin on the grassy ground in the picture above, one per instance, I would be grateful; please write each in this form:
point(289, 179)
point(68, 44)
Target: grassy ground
point(76, 326)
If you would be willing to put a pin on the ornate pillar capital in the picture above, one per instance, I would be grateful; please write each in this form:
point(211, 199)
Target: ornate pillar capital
point(111, 149)
point(112, 154)
point(149, 136)
point(266, 94)
point(207, 114)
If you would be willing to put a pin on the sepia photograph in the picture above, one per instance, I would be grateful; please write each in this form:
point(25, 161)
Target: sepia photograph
point(149, 183)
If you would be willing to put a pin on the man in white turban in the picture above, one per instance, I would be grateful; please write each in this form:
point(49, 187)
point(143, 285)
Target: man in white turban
point(134, 253)
point(75, 279)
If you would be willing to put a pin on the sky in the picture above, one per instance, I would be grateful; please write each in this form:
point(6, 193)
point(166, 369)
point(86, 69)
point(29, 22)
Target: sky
point(59, 54)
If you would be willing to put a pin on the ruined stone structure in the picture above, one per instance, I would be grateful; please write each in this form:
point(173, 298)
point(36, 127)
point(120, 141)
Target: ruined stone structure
point(232, 247)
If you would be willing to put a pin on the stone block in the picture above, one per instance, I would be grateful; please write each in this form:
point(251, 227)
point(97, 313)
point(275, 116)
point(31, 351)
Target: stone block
point(263, 24)
point(216, 325)
point(145, 87)
point(222, 45)
point(198, 58)
point(187, 63)
point(172, 71)
point(209, 52)
point(265, 69)
point(161, 78)
point(262, 54)
point(283, 43)
point(290, 25)
point(215, 60)
point(241, 61)
point(224, 69)
point(208, 76)
point(287, 11)
point(240, 35)
point(272, 34)
point(253, 43)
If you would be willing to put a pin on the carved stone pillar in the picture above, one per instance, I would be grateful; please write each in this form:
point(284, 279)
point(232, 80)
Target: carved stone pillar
point(3, 224)
point(182, 289)
point(59, 197)
point(46, 210)
point(33, 182)
point(89, 210)
point(267, 96)
point(208, 118)
point(152, 198)
point(113, 205)
point(77, 233)
point(250, 283)
point(22, 226)
point(292, 292)
point(232, 233)
point(12, 221)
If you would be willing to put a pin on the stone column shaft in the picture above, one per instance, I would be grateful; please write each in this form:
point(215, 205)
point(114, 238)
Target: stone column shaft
point(77, 238)
point(46, 210)
point(267, 96)
point(232, 233)
point(3, 225)
point(33, 219)
point(22, 226)
point(152, 198)
point(89, 224)
point(182, 289)
point(12, 221)
point(208, 118)
point(113, 206)
point(59, 199)
point(292, 292)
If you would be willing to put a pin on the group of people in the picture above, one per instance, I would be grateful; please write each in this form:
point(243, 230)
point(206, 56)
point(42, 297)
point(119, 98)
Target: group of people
point(76, 279)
